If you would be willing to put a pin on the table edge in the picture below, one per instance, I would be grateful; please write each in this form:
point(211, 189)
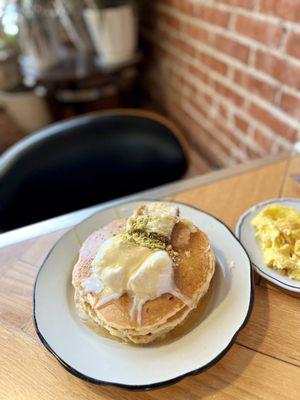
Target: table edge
point(73, 218)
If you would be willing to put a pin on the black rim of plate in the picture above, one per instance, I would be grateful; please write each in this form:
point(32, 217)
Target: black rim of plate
point(238, 235)
point(161, 384)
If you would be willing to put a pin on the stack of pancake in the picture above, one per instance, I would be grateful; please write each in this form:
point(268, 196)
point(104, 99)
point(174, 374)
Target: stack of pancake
point(193, 269)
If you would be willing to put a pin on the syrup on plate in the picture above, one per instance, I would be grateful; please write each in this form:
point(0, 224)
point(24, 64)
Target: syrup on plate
point(194, 318)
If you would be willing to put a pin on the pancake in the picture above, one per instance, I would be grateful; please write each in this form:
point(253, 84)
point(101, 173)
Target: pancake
point(192, 275)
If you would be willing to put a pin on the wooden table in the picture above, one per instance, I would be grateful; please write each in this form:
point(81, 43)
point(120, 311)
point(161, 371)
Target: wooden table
point(264, 362)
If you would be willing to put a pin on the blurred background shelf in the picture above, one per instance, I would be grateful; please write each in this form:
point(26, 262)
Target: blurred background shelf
point(80, 84)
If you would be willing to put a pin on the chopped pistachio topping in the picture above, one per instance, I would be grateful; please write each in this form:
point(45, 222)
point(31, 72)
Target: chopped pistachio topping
point(151, 241)
point(147, 229)
point(137, 223)
point(154, 218)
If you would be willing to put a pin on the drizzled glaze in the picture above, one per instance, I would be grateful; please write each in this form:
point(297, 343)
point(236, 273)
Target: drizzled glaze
point(122, 266)
point(92, 284)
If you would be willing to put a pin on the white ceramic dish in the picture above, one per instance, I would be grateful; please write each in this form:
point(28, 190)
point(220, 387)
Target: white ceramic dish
point(245, 232)
point(104, 361)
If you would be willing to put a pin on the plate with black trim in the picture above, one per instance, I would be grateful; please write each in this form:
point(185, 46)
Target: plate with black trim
point(99, 359)
point(245, 232)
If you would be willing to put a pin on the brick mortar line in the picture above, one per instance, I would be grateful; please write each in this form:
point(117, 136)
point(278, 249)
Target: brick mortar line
point(230, 143)
point(184, 102)
point(243, 92)
point(215, 132)
point(255, 13)
point(251, 13)
point(231, 34)
point(251, 70)
point(238, 111)
point(293, 122)
point(231, 22)
point(275, 111)
point(235, 63)
point(232, 61)
point(235, 152)
point(254, 125)
point(238, 135)
point(251, 144)
point(220, 155)
point(292, 91)
point(243, 137)
point(268, 132)
point(246, 139)
point(283, 40)
point(251, 60)
point(252, 122)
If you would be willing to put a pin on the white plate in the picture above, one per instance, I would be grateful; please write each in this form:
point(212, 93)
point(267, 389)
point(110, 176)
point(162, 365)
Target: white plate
point(101, 360)
point(245, 232)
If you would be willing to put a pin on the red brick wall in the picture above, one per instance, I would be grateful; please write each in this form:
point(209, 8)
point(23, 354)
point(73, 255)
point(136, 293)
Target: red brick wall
point(228, 71)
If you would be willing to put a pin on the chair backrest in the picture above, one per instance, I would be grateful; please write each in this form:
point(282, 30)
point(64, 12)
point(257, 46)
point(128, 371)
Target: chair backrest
point(85, 161)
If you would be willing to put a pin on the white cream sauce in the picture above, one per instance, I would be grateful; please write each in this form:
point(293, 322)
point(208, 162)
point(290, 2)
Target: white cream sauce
point(122, 267)
point(92, 284)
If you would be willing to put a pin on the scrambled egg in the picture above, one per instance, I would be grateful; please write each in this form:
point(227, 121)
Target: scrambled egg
point(278, 229)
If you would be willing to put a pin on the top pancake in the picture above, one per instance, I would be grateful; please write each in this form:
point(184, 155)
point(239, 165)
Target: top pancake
point(192, 276)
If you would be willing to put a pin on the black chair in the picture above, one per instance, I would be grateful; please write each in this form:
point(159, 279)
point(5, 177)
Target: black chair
point(87, 160)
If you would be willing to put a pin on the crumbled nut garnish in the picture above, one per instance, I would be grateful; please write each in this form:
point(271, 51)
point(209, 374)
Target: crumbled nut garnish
point(150, 241)
point(157, 218)
point(137, 231)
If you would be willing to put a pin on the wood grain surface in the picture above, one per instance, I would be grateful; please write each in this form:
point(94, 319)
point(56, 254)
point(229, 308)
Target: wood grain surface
point(264, 362)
